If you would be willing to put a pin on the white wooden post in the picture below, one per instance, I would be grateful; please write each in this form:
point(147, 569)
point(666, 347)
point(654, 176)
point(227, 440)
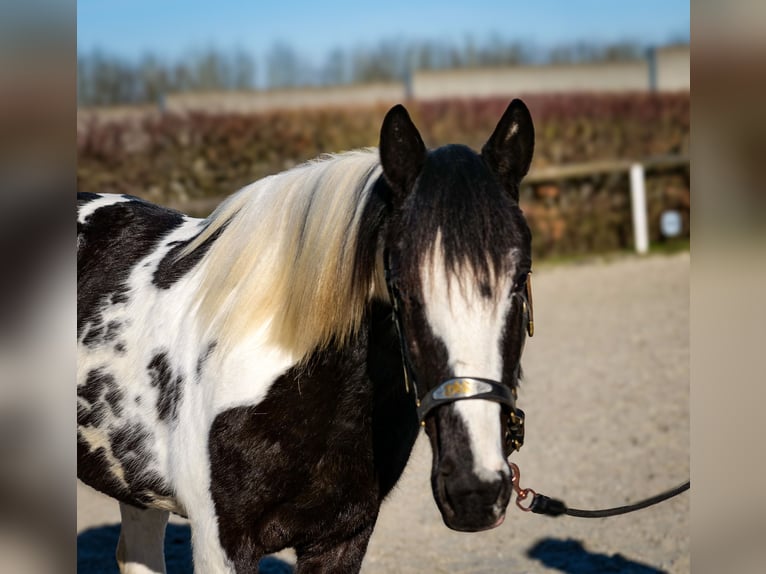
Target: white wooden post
point(638, 207)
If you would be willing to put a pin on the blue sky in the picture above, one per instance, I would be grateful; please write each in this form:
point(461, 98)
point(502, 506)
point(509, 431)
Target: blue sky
point(172, 28)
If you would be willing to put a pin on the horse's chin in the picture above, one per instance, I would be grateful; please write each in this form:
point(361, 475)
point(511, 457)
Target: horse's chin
point(453, 524)
point(454, 521)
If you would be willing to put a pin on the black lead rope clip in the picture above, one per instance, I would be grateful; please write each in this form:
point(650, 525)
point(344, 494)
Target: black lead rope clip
point(541, 504)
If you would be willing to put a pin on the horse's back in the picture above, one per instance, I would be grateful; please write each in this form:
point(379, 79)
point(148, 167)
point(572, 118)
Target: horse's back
point(129, 382)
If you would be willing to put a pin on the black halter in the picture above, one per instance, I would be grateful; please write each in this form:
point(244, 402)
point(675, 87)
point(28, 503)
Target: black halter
point(461, 388)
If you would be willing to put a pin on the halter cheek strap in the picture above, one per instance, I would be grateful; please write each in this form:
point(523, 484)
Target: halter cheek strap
point(395, 296)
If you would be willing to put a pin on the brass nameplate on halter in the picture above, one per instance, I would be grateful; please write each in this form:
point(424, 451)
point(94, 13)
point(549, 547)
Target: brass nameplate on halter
point(461, 388)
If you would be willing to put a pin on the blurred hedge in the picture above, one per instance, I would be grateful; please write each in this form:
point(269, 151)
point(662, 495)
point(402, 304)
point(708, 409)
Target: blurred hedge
point(179, 160)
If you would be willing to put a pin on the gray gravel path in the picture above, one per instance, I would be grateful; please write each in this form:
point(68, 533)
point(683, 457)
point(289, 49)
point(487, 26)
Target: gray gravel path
point(606, 398)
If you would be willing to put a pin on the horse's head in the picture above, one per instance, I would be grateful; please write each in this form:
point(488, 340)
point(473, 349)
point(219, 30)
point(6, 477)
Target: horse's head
point(458, 255)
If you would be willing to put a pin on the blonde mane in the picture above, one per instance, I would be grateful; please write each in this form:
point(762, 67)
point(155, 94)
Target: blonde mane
point(284, 260)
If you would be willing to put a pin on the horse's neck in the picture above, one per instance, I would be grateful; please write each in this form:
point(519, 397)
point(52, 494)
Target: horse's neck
point(395, 424)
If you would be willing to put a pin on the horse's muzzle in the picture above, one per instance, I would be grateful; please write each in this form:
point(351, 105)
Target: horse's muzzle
point(469, 503)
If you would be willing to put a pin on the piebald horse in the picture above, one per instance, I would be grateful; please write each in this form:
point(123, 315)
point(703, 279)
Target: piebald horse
point(265, 371)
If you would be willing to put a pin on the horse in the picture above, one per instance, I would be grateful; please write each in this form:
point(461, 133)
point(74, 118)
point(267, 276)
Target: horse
point(265, 371)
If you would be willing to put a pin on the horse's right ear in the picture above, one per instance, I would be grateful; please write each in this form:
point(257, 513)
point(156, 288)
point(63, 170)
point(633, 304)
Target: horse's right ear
point(510, 147)
point(402, 151)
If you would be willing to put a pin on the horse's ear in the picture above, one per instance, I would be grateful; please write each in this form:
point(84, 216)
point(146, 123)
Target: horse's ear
point(402, 151)
point(510, 147)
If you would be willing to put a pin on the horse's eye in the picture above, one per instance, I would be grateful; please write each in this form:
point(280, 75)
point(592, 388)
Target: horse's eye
point(521, 281)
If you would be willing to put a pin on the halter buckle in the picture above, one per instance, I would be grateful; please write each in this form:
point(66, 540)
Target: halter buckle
point(515, 437)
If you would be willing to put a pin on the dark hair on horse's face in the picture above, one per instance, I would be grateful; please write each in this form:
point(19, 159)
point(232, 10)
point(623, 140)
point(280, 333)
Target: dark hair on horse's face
point(459, 248)
point(459, 201)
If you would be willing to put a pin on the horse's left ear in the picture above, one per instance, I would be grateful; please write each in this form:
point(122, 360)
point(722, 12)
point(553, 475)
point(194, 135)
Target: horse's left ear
point(510, 147)
point(402, 151)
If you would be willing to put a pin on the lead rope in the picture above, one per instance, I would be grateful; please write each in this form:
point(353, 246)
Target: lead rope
point(548, 506)
point(541, 504)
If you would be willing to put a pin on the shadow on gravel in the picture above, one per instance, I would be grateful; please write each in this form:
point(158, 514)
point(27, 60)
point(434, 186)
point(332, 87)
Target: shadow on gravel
point(570, 556)
point(96, 548)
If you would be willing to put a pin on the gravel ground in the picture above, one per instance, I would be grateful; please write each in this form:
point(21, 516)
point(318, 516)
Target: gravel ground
point(606, 398)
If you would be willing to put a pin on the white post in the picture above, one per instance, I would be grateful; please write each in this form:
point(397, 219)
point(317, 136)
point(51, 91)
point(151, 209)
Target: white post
point(638, 206)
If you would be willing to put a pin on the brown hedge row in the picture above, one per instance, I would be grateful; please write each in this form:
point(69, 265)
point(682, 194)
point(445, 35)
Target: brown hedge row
point(175, 159)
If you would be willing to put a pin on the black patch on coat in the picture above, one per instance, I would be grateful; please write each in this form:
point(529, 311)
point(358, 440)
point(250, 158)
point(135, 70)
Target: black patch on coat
point(82, 413)
point(90, 416)
point(94, 335)
point(114, 400)
point(119, 348)
point(93, 469)
point(309, 466)
point(112, 330)
point(119, 297)
point(203, 359)
point(131, 446)
point(99, 390)
point(95, 383)
point(99, 333)
point(169, 386)
point(110, 243)
point(171, 269)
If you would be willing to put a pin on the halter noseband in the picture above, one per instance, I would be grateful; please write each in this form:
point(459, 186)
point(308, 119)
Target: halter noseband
point(462, 388)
